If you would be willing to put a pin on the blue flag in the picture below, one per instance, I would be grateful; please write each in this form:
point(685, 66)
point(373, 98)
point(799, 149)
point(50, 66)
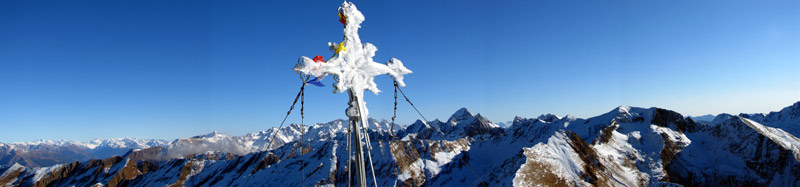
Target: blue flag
point(315, 82)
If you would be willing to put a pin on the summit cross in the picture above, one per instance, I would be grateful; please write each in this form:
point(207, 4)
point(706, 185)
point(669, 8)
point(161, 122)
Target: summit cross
point(354, 71)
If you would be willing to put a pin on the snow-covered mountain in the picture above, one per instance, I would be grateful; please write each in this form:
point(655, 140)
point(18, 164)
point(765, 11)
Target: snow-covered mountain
point(49, 152)
point(462, 123)
point(627, 146)
point(504, 124)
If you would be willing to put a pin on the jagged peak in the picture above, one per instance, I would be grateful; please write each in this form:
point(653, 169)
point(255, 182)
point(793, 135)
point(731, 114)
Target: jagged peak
point(460, 114)
point(482, 119)
point(479, 116)
point(549, 117)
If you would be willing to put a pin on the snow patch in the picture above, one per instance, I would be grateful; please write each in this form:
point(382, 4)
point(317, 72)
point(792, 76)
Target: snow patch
point(45, 171)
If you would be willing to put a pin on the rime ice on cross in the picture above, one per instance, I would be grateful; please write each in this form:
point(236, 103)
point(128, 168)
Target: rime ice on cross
point(356, 72)
point(354, 66)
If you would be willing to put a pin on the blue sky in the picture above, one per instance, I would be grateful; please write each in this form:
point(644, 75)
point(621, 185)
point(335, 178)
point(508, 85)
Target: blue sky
point(81, 70)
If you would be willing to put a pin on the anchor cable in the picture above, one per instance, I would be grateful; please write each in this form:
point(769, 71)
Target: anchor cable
point(302, 88)
point(440, 131)
point(302, 137)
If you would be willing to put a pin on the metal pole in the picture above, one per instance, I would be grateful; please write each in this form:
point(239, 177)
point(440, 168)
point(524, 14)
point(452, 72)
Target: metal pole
point(356, 125)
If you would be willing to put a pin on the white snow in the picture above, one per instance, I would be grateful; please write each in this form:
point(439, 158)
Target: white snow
point(120, 143)
point(44, 171)
point(558, 155)
point(782, 138)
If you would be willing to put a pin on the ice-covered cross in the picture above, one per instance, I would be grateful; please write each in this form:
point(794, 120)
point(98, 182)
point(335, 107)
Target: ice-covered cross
point(353, 64)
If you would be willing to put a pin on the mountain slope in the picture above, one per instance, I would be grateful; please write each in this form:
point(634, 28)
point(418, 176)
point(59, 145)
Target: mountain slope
point(627, 146)
point(739, 151)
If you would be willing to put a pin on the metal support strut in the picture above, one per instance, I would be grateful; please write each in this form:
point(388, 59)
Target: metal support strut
point(355, 125)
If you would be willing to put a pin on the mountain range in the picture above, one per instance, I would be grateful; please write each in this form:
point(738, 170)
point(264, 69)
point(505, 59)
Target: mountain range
point(627, 146)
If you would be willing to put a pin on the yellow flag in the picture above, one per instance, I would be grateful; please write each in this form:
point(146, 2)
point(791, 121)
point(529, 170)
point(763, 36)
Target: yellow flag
point(340, 48)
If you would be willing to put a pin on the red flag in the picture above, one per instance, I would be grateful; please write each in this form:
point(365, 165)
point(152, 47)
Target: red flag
point(319, 59)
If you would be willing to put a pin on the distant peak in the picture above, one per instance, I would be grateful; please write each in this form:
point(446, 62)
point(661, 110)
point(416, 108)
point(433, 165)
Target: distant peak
point(625, 110)
point(461, 114)
point(549, 117)
point(210, 135)
point(720, 118)
point(463, 110)
point(707, 118)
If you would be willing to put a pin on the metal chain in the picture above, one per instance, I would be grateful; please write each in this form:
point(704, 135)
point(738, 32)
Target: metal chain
point(440, 131)
point(302, 136)
point(391, 130)
point(392, 138)
point(302, 88)
point(415, 108)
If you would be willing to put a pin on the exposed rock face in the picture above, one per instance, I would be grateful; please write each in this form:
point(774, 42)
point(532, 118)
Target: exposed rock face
point(627, 146)
point(480, 126)
point(737, 146)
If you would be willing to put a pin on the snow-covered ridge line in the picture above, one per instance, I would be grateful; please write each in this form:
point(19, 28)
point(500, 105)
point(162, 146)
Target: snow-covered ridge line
point(93, 144)
point(782, 138)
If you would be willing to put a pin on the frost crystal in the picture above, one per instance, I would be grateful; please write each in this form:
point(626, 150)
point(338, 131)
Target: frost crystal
point(353, 64)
